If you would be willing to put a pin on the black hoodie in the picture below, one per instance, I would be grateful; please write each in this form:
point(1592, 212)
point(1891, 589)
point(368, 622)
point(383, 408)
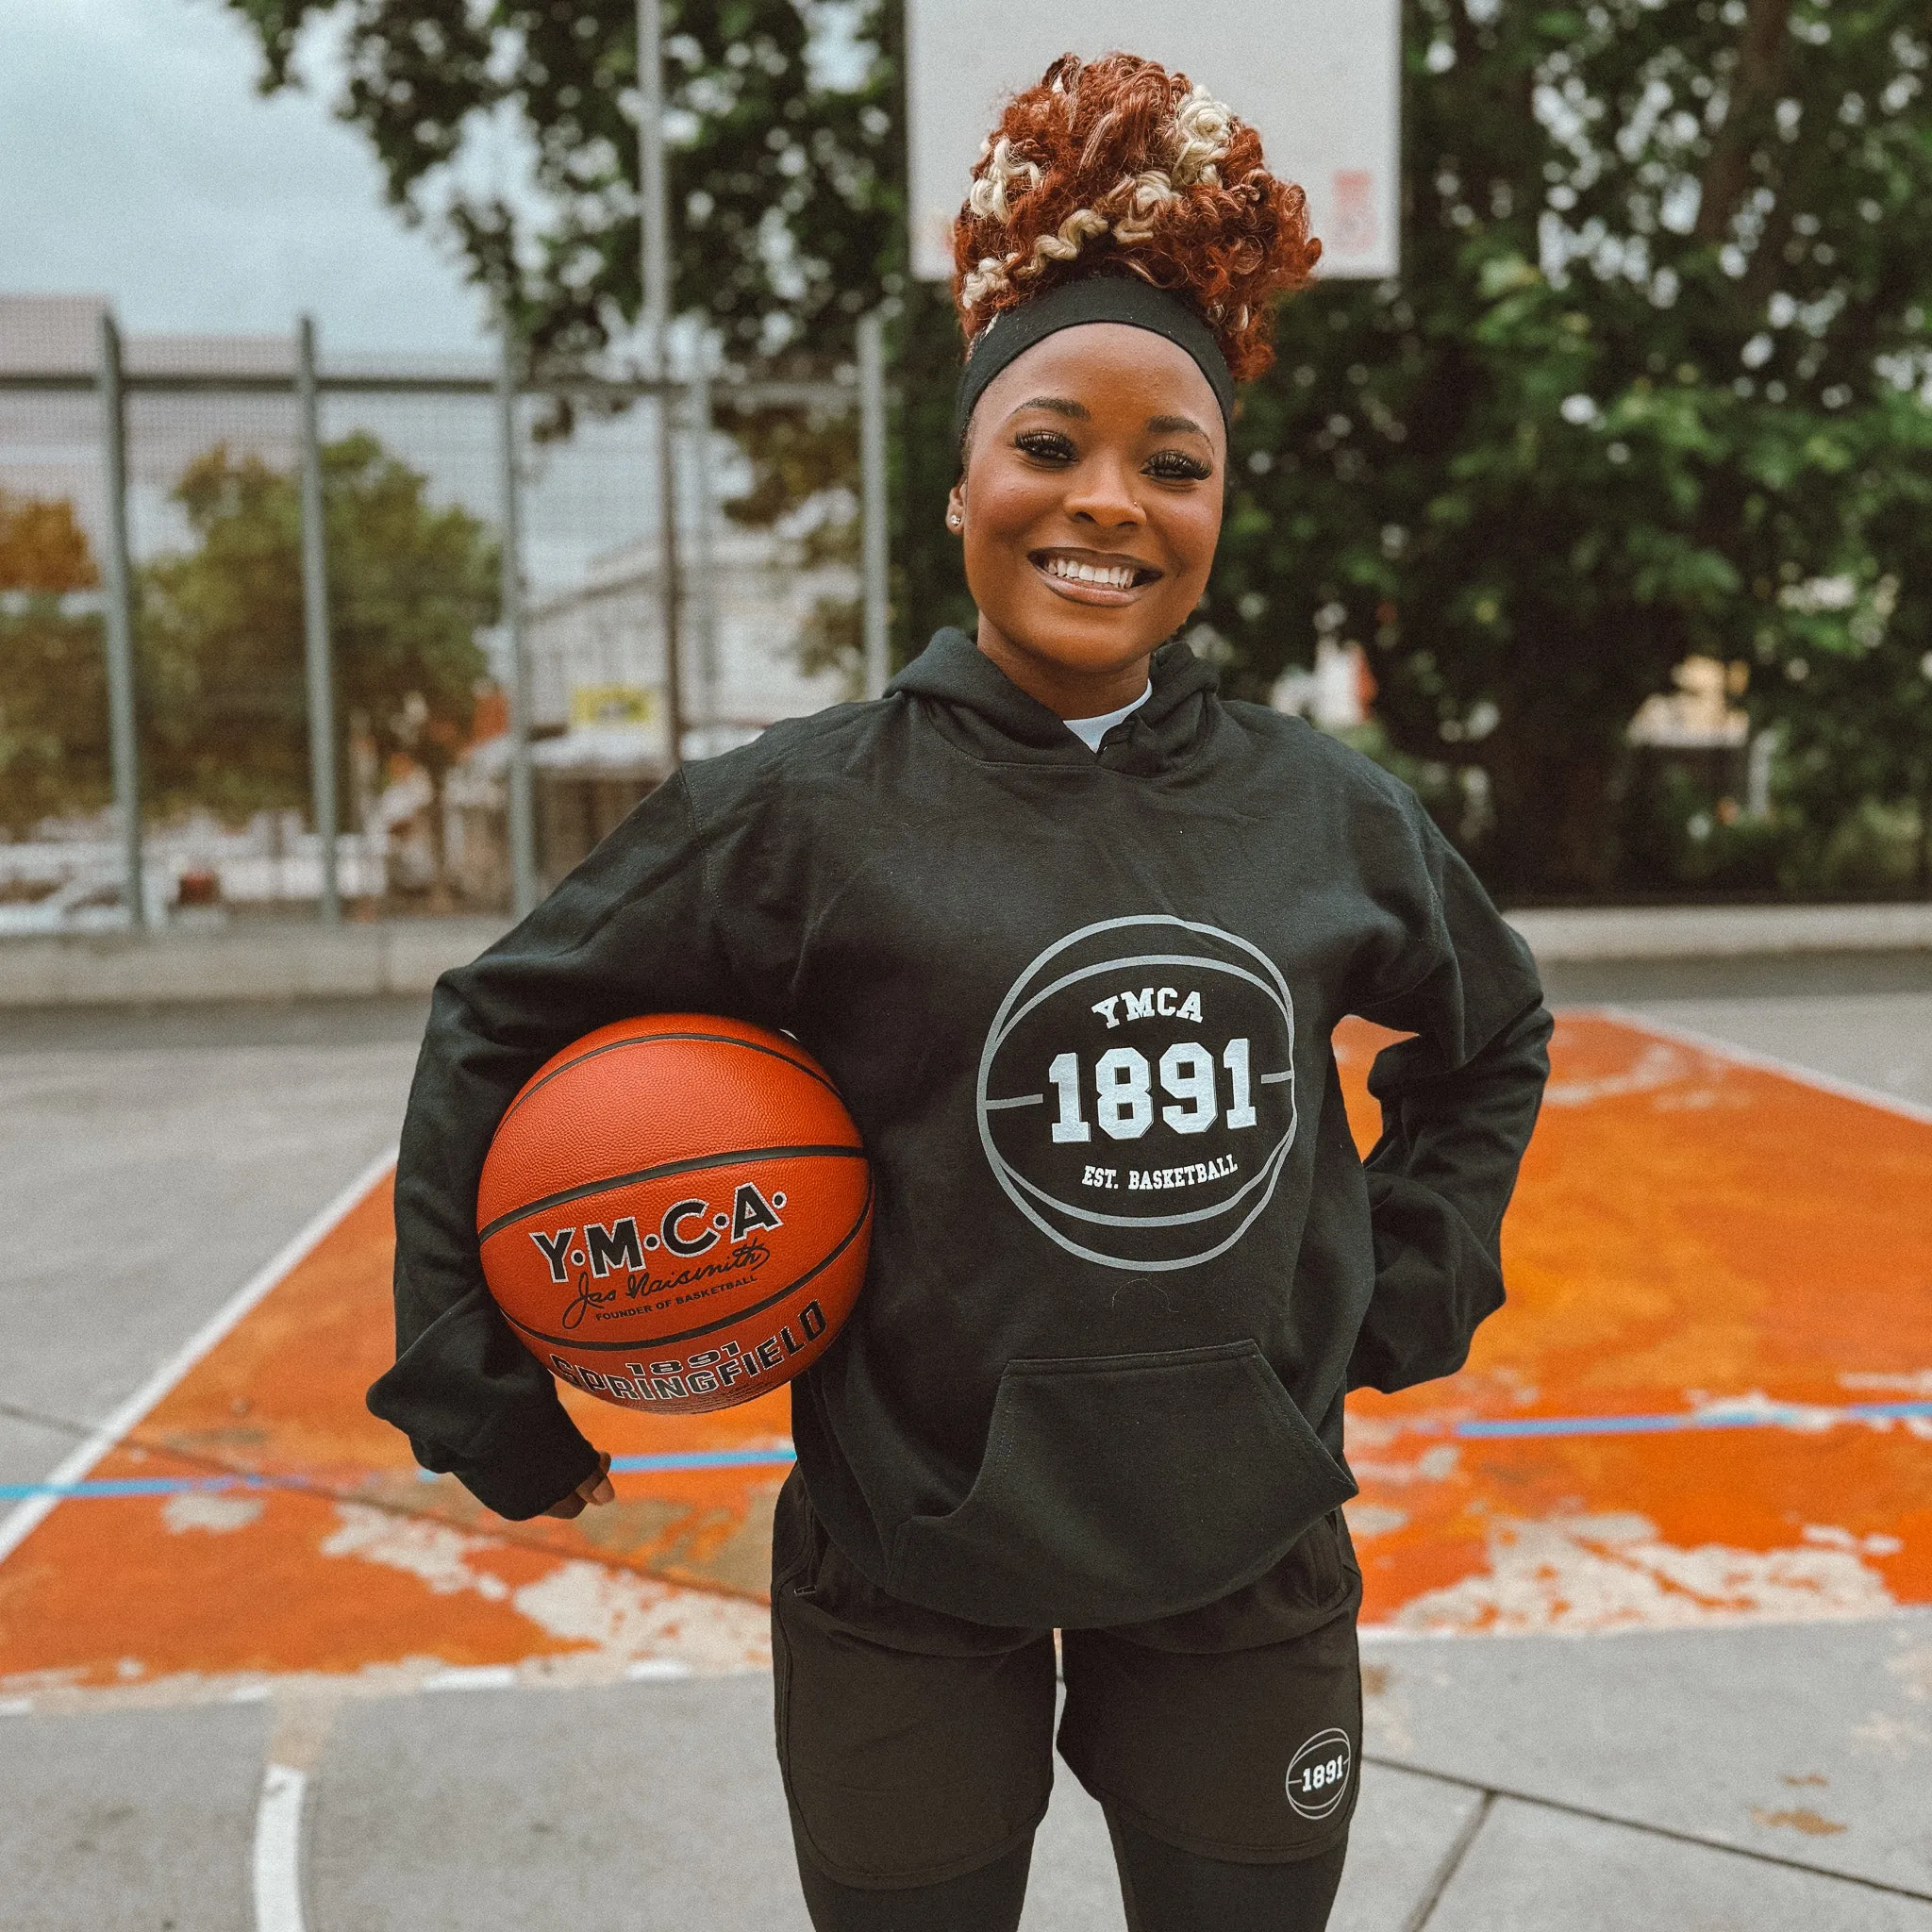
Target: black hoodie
point(1125, 1261)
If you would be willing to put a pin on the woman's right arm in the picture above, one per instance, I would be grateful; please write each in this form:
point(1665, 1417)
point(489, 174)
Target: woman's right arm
point(633, 930)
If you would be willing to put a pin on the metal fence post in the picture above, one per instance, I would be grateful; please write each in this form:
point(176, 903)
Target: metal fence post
point(315, 638)
point(123, 733)
point(705, 557)
point(671, 574)
point(654, 265)
point(872, 469)
point(522, 827)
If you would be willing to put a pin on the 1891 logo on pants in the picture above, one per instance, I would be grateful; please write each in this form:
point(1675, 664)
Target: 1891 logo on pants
point(1318, 1773)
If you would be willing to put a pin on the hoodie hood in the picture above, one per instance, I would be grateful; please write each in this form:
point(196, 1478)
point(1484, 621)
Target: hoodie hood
point(988, 716)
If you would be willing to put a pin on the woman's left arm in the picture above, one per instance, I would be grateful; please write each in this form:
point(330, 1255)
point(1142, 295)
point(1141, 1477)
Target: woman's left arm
point(1458, 1102)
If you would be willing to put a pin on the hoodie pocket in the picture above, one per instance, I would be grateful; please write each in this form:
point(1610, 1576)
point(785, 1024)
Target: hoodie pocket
point(1118, 1488)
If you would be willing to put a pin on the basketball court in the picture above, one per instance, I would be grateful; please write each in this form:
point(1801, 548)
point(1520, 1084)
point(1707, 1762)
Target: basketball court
point(1699, 1438)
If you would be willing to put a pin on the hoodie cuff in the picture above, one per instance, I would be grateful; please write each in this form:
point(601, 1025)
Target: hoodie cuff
point(547, 1460)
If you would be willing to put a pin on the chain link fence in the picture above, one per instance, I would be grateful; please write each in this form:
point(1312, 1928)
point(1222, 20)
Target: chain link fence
point(398, 643)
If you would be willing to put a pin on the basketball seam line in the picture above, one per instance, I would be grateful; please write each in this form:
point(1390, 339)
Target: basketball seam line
point(650, 1038)
point(731, 1321)
point(652, 1174)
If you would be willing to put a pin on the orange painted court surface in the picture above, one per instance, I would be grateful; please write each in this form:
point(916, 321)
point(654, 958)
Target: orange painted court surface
point(1709, 1400)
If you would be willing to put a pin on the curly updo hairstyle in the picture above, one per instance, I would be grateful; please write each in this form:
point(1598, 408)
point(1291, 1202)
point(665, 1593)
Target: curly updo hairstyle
point(1118, 167)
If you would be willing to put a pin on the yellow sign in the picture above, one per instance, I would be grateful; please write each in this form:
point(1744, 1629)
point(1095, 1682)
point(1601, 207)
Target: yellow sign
point(612, 704)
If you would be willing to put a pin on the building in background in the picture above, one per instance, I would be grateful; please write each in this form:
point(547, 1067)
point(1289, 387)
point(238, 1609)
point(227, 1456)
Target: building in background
point(599, 709)
point(1700, 730)
point(1337, 695)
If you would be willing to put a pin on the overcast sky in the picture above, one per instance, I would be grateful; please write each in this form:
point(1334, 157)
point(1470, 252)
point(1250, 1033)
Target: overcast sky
point(138, 161)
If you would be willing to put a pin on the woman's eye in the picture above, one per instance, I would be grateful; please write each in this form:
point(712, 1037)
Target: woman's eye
point(1177, 466)
point(1045, 445)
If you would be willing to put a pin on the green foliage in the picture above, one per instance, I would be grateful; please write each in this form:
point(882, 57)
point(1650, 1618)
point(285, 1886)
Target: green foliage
point(928, 570)
point(222, 638)
point(802, 463)
point(1656, 356)
point(783, 181)
point(785, 172)
point(1681, 825)
point(53, 668)
point(1657, 360)
point(1848, 688)
point(1664, 280)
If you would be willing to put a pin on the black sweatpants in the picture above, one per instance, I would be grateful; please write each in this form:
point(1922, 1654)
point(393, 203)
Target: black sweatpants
point(917, 1748)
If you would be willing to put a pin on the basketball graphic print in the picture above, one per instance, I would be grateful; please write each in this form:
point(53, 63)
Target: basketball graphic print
point(1137, 1090)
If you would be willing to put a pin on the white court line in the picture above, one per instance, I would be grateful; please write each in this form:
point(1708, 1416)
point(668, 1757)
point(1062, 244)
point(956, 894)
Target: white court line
point(653, 1670)
point(1770, 1063)
point(278, 1851)
point(472, 1677)
point(21, 1523)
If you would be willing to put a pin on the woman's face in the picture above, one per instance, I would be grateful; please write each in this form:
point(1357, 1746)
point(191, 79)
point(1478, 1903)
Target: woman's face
point(1089, 507)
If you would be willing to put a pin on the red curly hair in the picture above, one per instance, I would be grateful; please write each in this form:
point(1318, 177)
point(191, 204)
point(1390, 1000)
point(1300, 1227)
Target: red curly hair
point(1120, 165)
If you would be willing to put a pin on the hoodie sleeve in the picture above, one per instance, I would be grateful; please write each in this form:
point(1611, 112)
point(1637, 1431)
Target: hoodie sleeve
point(632, 930)
point(1458, 1101)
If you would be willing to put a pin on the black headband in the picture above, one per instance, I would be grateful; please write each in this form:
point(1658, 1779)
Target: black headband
point(1094, 298)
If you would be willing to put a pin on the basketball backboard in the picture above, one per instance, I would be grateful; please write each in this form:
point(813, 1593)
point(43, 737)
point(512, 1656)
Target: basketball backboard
point(1319, 78)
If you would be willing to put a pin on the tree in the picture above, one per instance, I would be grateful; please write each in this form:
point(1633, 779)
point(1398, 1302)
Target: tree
point(1664, 281)
point(1657, 353)
point(802, 463)
point(783, 157)
point(222, 636)
point(1851, 697)
point(53, 668)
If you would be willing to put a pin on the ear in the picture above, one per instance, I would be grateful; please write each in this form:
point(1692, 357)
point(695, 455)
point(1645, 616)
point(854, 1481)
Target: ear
point(956, 507)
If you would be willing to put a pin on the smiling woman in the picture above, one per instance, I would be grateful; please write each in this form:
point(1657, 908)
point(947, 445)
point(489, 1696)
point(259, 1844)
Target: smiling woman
point(1117, 260)
point(1071, 933)
point(1089, 507)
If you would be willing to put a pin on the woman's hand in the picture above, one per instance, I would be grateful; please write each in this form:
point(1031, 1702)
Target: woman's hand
point(593, 1488)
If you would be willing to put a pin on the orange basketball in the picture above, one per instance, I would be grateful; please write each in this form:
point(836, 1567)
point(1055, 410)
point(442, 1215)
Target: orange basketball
point(675, 1211)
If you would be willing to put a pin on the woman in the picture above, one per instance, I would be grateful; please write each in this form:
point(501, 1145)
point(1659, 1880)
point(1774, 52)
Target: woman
point(1071, 933)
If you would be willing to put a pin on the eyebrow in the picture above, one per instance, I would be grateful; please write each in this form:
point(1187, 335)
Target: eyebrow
point(1078, 412)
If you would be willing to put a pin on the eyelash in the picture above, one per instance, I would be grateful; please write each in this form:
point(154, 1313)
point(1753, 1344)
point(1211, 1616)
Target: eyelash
point(1045, 445)
point(1167, 466)
point(1181, 468)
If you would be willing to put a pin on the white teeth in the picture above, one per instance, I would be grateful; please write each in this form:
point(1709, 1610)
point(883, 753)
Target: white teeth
point(1115, 576)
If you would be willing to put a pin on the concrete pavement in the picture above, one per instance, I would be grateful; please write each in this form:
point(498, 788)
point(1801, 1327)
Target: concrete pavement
point(1860, 1017)
point(247, 960)
point(1758, 1777)
point(148, 1165)
point(655, 1807)
point(296, 958)
point(1880, 1041)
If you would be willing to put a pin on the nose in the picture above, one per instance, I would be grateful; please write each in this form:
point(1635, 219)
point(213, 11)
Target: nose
point(1101, 491)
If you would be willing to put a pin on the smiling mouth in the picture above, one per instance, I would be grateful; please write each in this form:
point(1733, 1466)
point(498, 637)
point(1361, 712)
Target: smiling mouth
point(1093, 571)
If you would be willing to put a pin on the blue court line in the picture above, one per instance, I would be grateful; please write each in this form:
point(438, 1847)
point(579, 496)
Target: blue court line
point(1478, 1429)
point(706, 1458)
point(104, 1488)
point(141, 1486)
point(1774, 1416)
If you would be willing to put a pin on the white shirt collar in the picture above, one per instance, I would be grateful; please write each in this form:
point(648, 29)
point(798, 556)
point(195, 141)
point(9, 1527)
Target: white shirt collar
point(1090, 731)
